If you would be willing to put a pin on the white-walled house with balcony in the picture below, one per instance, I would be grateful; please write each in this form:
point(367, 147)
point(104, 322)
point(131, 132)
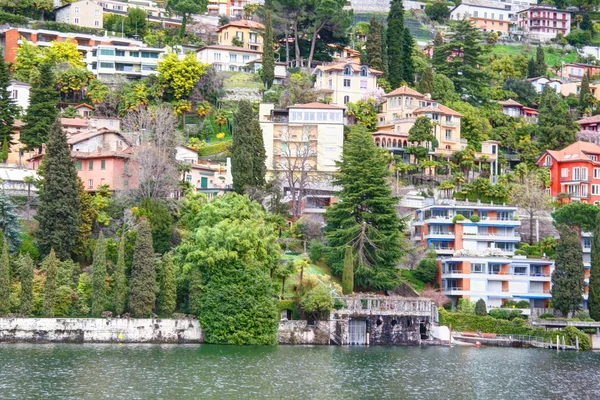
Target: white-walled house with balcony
point(228, 58)
point(130, 61)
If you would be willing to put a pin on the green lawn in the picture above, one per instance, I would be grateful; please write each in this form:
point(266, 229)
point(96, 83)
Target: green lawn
point(319, 269)
point(243, 80)
point(553, 56)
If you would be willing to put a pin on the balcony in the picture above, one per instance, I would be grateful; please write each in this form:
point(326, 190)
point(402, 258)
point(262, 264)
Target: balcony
point(574, 179)
point(440, 235)
point(394, 121)
point(491, 237)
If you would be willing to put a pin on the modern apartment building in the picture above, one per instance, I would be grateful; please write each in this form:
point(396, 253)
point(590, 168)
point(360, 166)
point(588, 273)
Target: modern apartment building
point(346, 81)
point(231, 8)
point(574, 170)
point(130, 61)
point(85, 13)
point(246, 32)
point(304, 139)
point(489, 16)
point(476, 253)
point(543, 22)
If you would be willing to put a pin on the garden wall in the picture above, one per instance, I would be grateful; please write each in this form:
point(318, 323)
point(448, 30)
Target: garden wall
point(120, 330)
point(299, 332)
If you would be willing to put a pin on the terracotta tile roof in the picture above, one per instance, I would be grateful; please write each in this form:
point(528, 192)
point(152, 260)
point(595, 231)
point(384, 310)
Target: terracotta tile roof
point(530, 110)
point(105, 154)
point(74, 122)
point(317, 105)
point(84, 105)
point(341, 65)
point(84, 136)
point(440, 109)
point(404, 90)
point(510, 103)
point(575, 152)
point(589, 120)
point(245, 23)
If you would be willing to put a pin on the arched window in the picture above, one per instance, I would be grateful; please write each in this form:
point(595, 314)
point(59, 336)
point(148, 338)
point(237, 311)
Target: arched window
point(364, 71)
point(348, 70)
point(346, 99)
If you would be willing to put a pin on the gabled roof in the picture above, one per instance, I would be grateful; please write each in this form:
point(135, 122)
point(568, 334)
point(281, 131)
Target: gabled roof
point(316, 104)
point(440, 109)
point(544, 77)
point(510, 103)
point(404, 90)
point(589, 120)
point(20, 83)
point(85, 136)
point(577, 151)
point(245, 23)
point(84, 105)
point(74, 122)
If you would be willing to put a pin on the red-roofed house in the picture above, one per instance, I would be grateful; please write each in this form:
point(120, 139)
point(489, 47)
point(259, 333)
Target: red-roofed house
point(574, 170)
point(589, 123)
point(515, 109)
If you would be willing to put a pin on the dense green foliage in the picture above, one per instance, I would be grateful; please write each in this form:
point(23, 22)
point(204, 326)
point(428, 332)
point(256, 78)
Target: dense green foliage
point(50, 267)
point(167, 299)
point(399, 47)
point(594, 287)
point(365, 218)
point(268, 57)
point(567, 278)
point(161, 222)
point(556, 127)
point(374, 47)
point(8, 108)
point(42, 111)
point(437, 11)
point(480, 307)
point(99, 277)
point(119, 290)
point(580, 215)
point(26, 274)
point(143, 288)
point(247, 150)
point(9, 223)
point(58, 197)
point(233, 248)
point(4, 277)
point(427, 268)
point(348, 272)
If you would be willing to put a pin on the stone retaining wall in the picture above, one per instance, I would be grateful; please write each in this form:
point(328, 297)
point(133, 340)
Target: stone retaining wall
point(120, 330)
point(299, 332)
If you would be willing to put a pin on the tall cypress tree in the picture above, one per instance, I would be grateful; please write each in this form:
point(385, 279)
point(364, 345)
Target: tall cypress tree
point(58, 211)
point(531, 70)
point(384, 52)
point(373, 46)
point(120, 286)
point(247, 150)
point(50, 266)
point(99, 277)
point(348, 273)
point(268, 57)
point(556, 128)
point(42, 111)
point(4, 278)
point(567, 278)
point(365, 217)
point(8, 108)
point(426, 81)
point(408, 66)
point(594, 288)
point(540, 62)
point(167, 299)
point(584, 93)
point(26, 275)
point(142, 292)
point(397, 45)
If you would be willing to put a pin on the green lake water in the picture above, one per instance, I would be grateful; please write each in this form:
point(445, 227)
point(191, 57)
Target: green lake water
point(110, 371)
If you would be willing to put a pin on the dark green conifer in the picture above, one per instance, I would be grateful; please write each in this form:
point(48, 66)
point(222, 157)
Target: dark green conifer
point(99, 277)
point(399, 47)
point(540, 62)
point(50, 267)
point(4, 277)
point(247, 150)
point(120, 286)
point(348, 273)
point(58, 212)
point(480, 308)
point(567, 278)
point(167, 299)
point(373, 46)
point(26, 275)
point(585, 93)
point(556, 128)
point(594, 288)
point(8, 108)
point(426, 81)
point(268, 57)
point(142, 292)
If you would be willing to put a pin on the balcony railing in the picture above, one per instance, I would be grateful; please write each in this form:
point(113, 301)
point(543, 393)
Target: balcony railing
point(573, 179)
point(453, 289)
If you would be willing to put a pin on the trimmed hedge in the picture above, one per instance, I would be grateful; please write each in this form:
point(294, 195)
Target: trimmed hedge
point(214, 148)
point(66, 28)
point(8, 18)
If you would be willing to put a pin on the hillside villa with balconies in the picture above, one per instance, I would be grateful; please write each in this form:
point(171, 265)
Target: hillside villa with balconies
point(476, 253)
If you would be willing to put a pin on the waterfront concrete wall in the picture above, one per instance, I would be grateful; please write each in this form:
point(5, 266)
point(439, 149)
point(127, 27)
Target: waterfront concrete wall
point(595, 342)
point(118, 330)
point(299, 332)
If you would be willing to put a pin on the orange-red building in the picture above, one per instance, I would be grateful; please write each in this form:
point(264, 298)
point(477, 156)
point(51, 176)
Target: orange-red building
point(574, 170)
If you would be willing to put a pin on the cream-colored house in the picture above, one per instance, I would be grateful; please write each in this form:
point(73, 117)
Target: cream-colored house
point(346, 81)
point(245, 32)
point(82, 13)
point(304, 139)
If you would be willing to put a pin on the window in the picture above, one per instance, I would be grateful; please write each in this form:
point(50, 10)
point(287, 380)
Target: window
point(226, 35)
point(587, 243)
point(204, 182)
point(245, 58)
point(448, 134)
point(232, 57)
point(103, 164)
point(593, 158)
point(596, 173)
point(96, 23)
point(90, 165)
point(596, 189)
point(564, 172)
point(76, 9)
point(330, 83)
point(217, 56)
point(584, 190)
point(79, 166)
point(120, 53)
point(106, 65)
point(548, 161)
point(346, 82)
point(363, 71)
point(107, 52)
point(239, 35)
point(347, 70)
point(346, 99)
point(584, 174)
point(96, 12)
point(478, 268)
point(76, 21)
point(363, 84)
point(576, 174)
point(91, 183)
point(15, 94)
point(475, 14)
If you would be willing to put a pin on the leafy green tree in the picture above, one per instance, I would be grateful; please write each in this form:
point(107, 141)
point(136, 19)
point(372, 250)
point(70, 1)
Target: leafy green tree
point(585, 94)
point(373, 47)
point(531, 68)
point(283, 272)
point(247, 150)
point(185, 8)
point(567, 278)
point(399, 47)
point(461, 59)
point(4, 278)
point(365, 218)
point(437, 11)
point(136, 22)
point(167, 299)
point(586, 23)
point(330, 15)
point(99, 277)
point(268, 57)
point(232, 249)
point(161, 223)
point(443, 89)
point(142, 290)
point(480, 308)
point(8, 108)
point(58, 211)
point(594, 287)
point(426, 82)
point(364, 112)
point(523, 89)
point(579, 215)
point(9, 223)
point(540, 62)
point(195, 291)
point(120, 286)
point(87, 217)
point(26, 275)
point(42, 110)
point(348, 272)
point(50, 267)
point(427, 268)
point(556, 127)
point(422, 133)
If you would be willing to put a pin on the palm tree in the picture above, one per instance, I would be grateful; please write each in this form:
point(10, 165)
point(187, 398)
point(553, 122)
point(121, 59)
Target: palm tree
point(220, 118)
point(578, 20)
